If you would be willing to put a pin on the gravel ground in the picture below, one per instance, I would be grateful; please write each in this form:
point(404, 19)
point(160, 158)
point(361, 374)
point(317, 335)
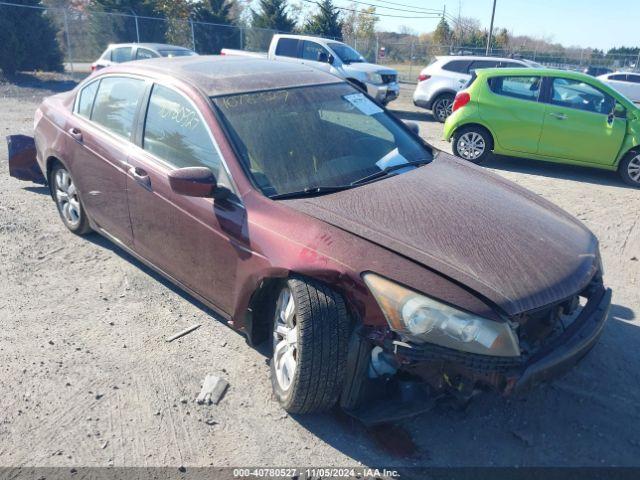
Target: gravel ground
point(87, 378)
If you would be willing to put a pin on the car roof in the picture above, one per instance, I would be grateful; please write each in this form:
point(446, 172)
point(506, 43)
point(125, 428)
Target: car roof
point(225, 75)
point(475, 57)
point(545, 72)
point(154, 46)
point(308, 37)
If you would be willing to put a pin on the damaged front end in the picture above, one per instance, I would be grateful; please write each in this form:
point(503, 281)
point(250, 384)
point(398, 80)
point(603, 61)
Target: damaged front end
point(551, 340)
point(23, 163)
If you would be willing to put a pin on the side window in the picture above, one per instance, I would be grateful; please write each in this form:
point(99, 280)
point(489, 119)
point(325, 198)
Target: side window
point(524, 88)
point(511, 65)
point(620, 77)
point(478, 64)
point(287, 47)
point(312, 51)
point(459, 66)
point(175, 132)
point(633, 78)
point(121, 54)
point(142, 53)
point(579, 95)
point(85, 99)
point(116, 103)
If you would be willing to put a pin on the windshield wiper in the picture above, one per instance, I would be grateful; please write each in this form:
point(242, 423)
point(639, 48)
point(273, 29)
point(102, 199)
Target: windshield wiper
point(310, 192)
point(386, 171)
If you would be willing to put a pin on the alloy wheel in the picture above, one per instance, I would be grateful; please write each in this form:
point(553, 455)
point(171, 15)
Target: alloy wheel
point(443, 109)
point(285, 339)
point(67, 198)
point(471, 146)
point(633, 169)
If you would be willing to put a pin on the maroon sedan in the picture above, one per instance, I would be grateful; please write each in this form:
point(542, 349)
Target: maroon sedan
point(303, 212)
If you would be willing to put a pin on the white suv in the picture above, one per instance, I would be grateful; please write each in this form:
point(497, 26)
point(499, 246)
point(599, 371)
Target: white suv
point(627, 83)
point(439, 82)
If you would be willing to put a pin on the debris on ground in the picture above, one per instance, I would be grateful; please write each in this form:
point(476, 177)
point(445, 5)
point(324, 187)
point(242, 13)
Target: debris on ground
point(213, 389)
point(183, 332)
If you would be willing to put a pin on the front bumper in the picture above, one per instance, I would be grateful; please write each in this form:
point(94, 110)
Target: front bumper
point(384, 93)
point(510, 375)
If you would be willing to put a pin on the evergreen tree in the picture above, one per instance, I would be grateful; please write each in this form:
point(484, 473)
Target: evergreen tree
point(210, 39)
point(106, 29)
point(272, 16)
point(326, 22)
point(28, 39)
point(442, 35)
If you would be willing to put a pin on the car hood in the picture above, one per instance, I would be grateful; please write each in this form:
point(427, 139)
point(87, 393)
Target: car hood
point(514, 248)
point(370, 68)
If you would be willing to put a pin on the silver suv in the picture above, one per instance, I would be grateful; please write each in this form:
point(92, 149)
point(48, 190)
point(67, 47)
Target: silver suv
point(439, 82)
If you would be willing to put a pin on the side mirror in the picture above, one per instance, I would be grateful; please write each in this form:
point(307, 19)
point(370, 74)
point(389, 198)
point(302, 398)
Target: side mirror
point(193, 182)
point(413, 126)
point(619, 111)
point(323, 57)
point(331, 59)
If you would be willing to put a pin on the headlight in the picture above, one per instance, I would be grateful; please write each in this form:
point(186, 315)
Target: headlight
point(374, 78)
point(422, 319)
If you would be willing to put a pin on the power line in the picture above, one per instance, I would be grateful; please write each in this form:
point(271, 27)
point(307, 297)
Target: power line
point(412, 8)
point(352, 10)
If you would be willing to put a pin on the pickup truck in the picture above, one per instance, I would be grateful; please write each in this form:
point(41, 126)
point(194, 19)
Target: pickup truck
point(334, 57)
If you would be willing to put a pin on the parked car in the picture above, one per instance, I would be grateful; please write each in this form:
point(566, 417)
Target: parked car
point(552, 115)
point(126, 52)
point(596, 71)
point(308, 216)
point(334, 57)
point(439, 82)
point(627, 83)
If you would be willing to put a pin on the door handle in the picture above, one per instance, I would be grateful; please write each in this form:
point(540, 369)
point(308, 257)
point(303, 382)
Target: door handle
point(559, 116)
point(141, 177)
point(76, 134)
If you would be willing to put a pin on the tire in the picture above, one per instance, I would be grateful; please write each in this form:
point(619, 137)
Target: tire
point(473, 143)
point(68, 201)
point(310, 327)
point(441, 107)
point(629, 169)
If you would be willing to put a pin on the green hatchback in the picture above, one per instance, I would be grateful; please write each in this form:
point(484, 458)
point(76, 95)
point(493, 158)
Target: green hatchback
point(551, 115)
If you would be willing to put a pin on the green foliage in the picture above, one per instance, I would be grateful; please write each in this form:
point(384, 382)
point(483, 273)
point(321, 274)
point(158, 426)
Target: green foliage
point(27, 39)
point(271, 17)
point(105, 29)
point(177, 13)
point(325, 22)
point(442, 35)
point(210, 39)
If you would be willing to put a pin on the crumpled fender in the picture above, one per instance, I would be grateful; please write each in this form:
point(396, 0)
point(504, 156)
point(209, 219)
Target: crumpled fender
point(23, 164)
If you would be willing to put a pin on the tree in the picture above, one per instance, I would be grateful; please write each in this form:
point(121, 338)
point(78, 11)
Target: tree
point(106, 28)
point(28, 39)
point(212, 38)
point(326, 21)
point(178, 13)
point(442, 35)
point(270, 18)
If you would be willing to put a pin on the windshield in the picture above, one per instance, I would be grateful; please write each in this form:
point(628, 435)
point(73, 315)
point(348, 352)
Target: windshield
point(321, 136)
point(346, 53)
point(177, 53)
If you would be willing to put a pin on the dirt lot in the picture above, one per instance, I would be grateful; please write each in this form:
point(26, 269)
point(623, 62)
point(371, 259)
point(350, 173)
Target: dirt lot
point(88, 379)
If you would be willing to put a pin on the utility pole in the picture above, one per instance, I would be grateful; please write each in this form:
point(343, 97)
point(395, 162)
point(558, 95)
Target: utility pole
point(493, 13)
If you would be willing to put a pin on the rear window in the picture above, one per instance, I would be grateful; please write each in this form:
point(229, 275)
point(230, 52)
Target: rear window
point(524, 88)
point(287, 47)
point(459, 66)
point(85, 100)
point(116, 103)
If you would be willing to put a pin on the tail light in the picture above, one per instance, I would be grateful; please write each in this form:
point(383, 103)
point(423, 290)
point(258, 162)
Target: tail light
point(462, 98)
point(93, 68)
point(422, 77)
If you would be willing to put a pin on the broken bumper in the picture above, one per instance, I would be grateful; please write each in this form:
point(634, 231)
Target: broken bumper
point(23, 163)
point(511, 375)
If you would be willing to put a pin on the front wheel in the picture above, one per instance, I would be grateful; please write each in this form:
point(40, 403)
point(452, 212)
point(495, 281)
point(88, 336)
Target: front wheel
point(629, 169)
point(472, 143)
point(310, 337)
point(70, 207)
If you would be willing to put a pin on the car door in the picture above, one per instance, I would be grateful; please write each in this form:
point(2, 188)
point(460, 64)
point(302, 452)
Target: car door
point(144, 53)
point(579, 124)
point(288, 50)
point(315, 55)
point(457, 73)
point(105, 114)
point(197, 241)
point(512, 109)
point(121, 54)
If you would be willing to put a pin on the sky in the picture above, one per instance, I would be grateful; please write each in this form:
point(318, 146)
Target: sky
point(585, 23)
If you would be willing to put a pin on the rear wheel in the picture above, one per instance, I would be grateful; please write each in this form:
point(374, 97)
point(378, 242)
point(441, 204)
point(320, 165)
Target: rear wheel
point(629, 168)
point(310, 336)
point(67, 200)
point(472, 143)
point(442, 107)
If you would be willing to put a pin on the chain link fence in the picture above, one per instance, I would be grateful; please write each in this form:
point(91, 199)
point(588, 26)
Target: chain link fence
point(83, 34)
